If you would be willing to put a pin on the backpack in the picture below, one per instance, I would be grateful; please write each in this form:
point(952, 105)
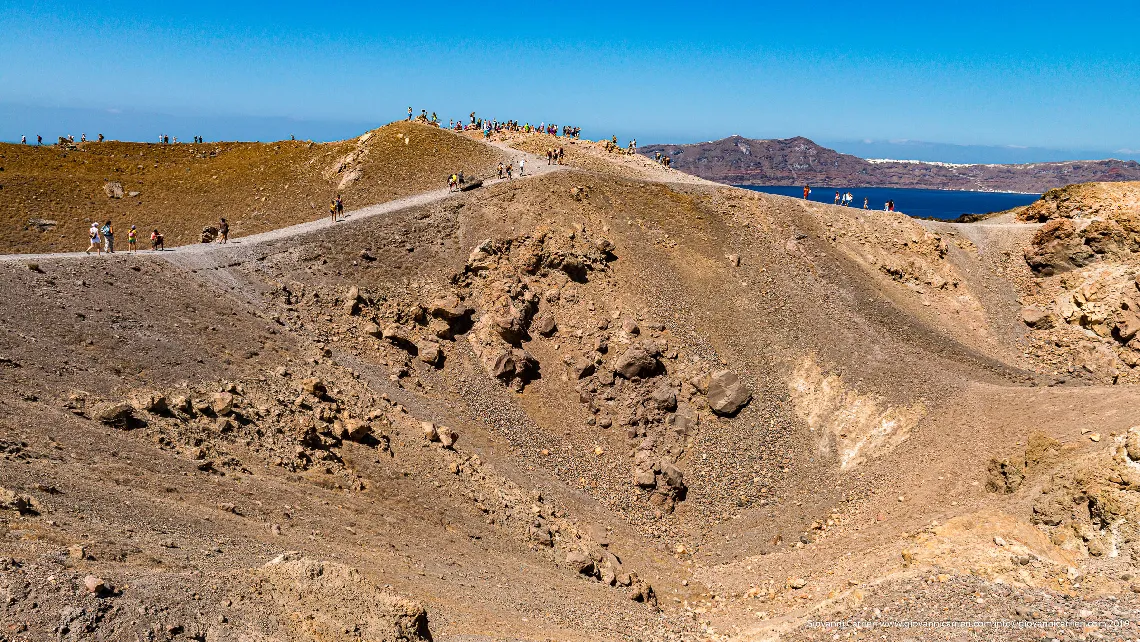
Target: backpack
point(106, 229)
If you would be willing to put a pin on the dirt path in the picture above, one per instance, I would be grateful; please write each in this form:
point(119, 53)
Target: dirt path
point(182, 254)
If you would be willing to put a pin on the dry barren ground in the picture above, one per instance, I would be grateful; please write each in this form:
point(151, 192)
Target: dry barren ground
point(595, 404)
point(50, 195)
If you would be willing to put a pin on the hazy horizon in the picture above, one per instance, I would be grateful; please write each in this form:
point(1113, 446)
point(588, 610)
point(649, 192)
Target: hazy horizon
point(663, 72)
point(141, 126)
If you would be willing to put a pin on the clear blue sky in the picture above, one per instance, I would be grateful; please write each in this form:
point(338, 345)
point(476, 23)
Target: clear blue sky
point(1042, 74)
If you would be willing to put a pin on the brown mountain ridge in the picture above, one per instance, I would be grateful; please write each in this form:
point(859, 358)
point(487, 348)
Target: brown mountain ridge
point(798, 161)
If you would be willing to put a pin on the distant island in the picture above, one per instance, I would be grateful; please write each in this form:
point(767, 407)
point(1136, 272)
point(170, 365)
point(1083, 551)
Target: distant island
point(799, 161)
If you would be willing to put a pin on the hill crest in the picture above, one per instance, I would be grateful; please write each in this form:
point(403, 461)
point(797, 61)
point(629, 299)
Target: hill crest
point(798, 160)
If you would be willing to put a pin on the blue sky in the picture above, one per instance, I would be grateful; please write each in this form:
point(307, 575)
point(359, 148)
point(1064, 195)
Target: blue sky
point(1039, 75)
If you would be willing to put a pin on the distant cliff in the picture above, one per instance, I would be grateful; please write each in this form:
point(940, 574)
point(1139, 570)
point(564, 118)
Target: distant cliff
point(799, 161)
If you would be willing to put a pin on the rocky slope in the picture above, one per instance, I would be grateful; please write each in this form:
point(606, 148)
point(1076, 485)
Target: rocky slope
point(595, 404)
point(798, 161)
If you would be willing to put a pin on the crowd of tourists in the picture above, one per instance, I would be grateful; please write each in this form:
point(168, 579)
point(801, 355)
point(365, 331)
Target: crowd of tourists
point(491, 126)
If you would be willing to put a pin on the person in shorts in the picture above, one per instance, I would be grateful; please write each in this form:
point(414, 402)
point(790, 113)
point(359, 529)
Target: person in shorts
point(93, 237)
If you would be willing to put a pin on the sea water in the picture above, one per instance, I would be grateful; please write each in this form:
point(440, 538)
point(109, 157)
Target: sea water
point(925, 203)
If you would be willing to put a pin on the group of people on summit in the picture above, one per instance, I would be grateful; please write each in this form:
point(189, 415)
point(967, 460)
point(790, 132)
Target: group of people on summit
point(490, 125)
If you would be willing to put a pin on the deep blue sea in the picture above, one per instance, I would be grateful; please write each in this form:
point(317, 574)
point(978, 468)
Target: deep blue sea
point(936, 203)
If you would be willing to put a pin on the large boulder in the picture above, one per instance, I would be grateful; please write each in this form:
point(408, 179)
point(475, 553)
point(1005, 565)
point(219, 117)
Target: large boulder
point(314, 386)
point(449, 307)
point(727, 393)
point(510, 363)
point(544, 324)
point(1058, 247)
point(637, 361)
point(118, 415)
point(222, 404)
point(151, 402)
point(310, 599)
point(352, 301)
point(664, 397)
point(1037, 318)
point(1127, 325)
point(429, 352)
point(23, 504)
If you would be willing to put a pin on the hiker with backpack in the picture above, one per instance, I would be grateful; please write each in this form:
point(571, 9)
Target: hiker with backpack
point(108, 237)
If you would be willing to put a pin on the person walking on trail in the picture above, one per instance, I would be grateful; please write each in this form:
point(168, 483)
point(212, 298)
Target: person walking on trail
point(156, 239)
point(409, 114)
point(807, 190)
point(332, 211)
point(865, 203)
point(223, 232)
point(93, 237)
point(339, 206)
point(39, 139)
point(500, 170)
point(836, 198)
point(522, 166)
point(509, 177)
point(23, 140)
point(108, 237)
point(132, 240)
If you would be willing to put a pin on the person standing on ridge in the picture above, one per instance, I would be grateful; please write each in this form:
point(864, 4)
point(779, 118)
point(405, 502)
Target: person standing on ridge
point(807, 190)
point(93, 237)
point(865, 205)
point(132, 240)
point(409, 114)
point(223, 232)
point(339, 206)
point(837, 198)
point(23, 140)
point(39, 139)
point(108, 237)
